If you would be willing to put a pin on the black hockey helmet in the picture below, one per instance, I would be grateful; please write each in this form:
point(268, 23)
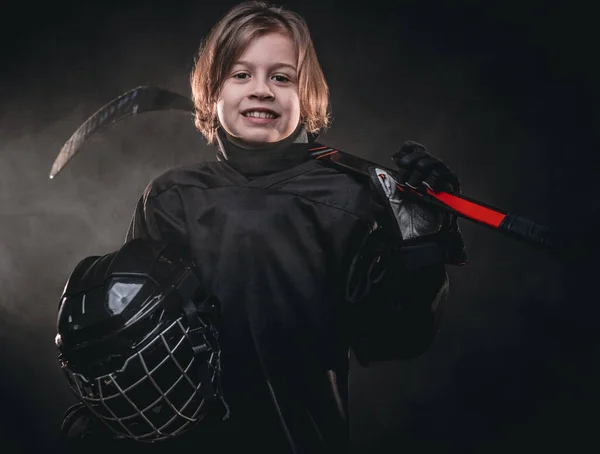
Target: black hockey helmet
point(138, 341)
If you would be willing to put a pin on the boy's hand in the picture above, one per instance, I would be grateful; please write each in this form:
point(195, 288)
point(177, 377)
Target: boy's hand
point(418, 169)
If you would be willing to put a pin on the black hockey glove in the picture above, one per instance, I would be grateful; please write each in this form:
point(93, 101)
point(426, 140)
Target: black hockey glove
point(417, 222)
point(82, 432)
point(418, 169)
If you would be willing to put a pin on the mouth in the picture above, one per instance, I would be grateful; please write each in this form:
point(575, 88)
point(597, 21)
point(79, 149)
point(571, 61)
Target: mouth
point(260, 113)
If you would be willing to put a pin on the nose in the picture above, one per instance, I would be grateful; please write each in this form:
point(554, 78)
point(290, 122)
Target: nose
point(261, 89)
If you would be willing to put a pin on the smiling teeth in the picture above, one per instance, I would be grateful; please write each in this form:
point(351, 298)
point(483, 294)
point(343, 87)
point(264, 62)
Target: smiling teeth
point(259, 115)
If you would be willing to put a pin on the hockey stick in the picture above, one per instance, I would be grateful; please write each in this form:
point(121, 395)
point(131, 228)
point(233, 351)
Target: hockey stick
point(146, 99)
point(506, 223)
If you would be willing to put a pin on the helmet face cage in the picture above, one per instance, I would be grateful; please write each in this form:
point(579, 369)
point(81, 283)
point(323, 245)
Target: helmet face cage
point(162, 390)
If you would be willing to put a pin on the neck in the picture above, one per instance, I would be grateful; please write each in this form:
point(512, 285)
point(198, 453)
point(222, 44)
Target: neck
point(297, 136)
point(263, 160)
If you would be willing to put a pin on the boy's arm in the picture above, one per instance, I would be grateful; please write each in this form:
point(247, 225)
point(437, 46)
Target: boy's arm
point(397, 286)
point(396, 296)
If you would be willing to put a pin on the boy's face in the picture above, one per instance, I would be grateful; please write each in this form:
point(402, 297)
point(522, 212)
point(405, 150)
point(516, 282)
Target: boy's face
point(259, 102)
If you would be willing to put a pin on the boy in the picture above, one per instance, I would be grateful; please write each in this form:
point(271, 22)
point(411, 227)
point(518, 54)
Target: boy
point(305, 260)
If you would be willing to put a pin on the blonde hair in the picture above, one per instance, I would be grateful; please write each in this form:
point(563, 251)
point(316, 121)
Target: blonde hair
point(228, 40)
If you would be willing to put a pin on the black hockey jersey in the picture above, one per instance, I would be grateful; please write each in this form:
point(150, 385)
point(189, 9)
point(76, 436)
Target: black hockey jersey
point(293, 250)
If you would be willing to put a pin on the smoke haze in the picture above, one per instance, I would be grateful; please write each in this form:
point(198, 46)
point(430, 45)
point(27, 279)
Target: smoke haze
point(506, 96)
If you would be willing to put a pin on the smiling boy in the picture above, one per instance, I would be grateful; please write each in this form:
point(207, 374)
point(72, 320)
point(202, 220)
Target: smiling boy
point(298, 253)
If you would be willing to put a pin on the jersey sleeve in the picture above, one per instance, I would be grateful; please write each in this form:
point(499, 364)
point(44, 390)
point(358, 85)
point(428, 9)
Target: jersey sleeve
point(397, 283)
point(396, 298)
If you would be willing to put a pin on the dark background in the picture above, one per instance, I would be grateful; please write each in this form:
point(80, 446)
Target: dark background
point(506, 94)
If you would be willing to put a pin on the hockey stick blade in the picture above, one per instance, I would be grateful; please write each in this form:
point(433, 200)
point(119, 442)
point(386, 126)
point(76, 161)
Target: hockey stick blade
point(139, 100)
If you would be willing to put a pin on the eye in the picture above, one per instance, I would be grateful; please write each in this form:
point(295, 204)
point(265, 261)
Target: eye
point(281, 78)
point(241, 76)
